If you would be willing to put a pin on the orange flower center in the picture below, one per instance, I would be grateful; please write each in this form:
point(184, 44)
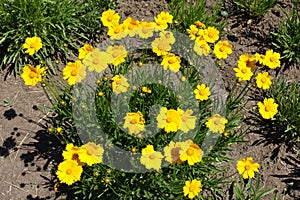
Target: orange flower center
point(160, 47)
point(247, 167)
point(109, 18)
point(130, 27)
point(32, 45)
point(75, 156)
point(222, 48)
point(168, 35)
point(267, 108)
point(133, 121)
point(171, 61)
point(202, 46)
point(263, 80)
point(169, 119)
point(32, 74)
point(95, 61)
point(202, 92)
point(89, 152)
point(272, 59)
point(244, 70)
point(192, 188)
point(69, 171)
point(217, 122)
point(152, 156)
point(210, 34)
point(184, 119)
point(190, 152)
point(117, 30)
point(74, 72)
point(145, 30)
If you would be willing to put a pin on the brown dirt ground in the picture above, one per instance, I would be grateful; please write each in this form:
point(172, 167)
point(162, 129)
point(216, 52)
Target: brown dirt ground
point(27, 151)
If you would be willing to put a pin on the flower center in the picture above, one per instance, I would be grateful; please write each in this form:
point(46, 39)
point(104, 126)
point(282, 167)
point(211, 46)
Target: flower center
point(69, 171)
point(244, 70)
point(217, 122)
point(133, 121)
point(168, 35)
point(32, 45)
point(115, 54)
point(171, 61)
point(267, 108)
point(193, 188)
point(160, 46)
point(95, 61)
point(272, 59)
point(201, 92)
point(184, 119)
point(169, 119)
point(89, 152)
point(32, 74)
point(210, 34)
point(145, 30)
point(190, 152)
point(117, 30)
point(247, 167)
point(74, 72)
point(263, 80)
point(152, 156)
point(222, 48)
point(109, 18)
point(75, 156)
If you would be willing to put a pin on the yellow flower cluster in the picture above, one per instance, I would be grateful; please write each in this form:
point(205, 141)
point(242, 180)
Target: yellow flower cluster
point(174, 153)
point(204, 36)
point(69, 171)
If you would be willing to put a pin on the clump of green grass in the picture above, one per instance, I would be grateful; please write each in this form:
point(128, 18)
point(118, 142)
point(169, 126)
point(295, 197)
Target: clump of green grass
point(62, 25)
point(255, 8)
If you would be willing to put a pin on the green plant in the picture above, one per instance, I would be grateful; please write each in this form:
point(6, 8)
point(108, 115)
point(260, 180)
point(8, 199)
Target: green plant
point(187, 12)
point(287, 36)
point(62, 26)
point(255, 8)
point(249, 190)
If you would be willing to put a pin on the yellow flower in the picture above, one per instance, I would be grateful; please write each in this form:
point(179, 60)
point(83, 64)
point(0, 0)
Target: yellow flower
point(97, 60)
point(131, 26)
point(90, 153)
point(246, 167)
point(192, 188)
point(172, 152)
point(69, 171)
point(211, 35)
point(248, 60)
point(193, 32)
point(243, 72)
point(146, 30)
point(135, 122)
point(272, 59)
point(117, 54)
point(162, 20)
point(119, 84)
point(116, 31)
point(168, 36)
point(146, 90)
point(222, 49)
point(188, 122)
point(193, 154)
point(110, 17)
point(267, 108)
point(59, 129)
point(71, 153)
point(201, 47)
point(151, 158)
point(84, 51)
point(216, 123)
point(261, 59)
point(32, 45)
point(161, 46)
point(171, 61)
point(202, 92)
point(263, 80)
point(168, 119)
point(200, 24)
point(31, 75)
point(74, 72)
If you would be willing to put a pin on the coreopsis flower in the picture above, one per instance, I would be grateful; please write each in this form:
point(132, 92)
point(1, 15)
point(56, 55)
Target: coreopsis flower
point(272, 59)
point(200, 24)
point(169, 120)
point(192, 188)
point(117, 54)
point(84, 51)
point(116, 31)
point(193, 154)
point(260, 58)
point(201, 47)
point(109, 18)
point(150, 158)
point(146, 90)
point(188, 122)
point(246, 167)
point(97, 60)
point(162, 20)
point(211, 35)
point(249, 60)
point(263, 80)
point(146, 30)
point(32, 44)
point(202, 92)
point(216, 123)
point(171, 61)
point(222, 49)
point(74, 72)
point(243, 72)
point(172, 152)
point(192, 32)
point(90, 153)
point(69, 172)
point(131, 26)
point(32, 75)
point(168, 36)
point(71, 153)
point(268, 108)
point(135, 122)
point(119, 84)
point(161, 46)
